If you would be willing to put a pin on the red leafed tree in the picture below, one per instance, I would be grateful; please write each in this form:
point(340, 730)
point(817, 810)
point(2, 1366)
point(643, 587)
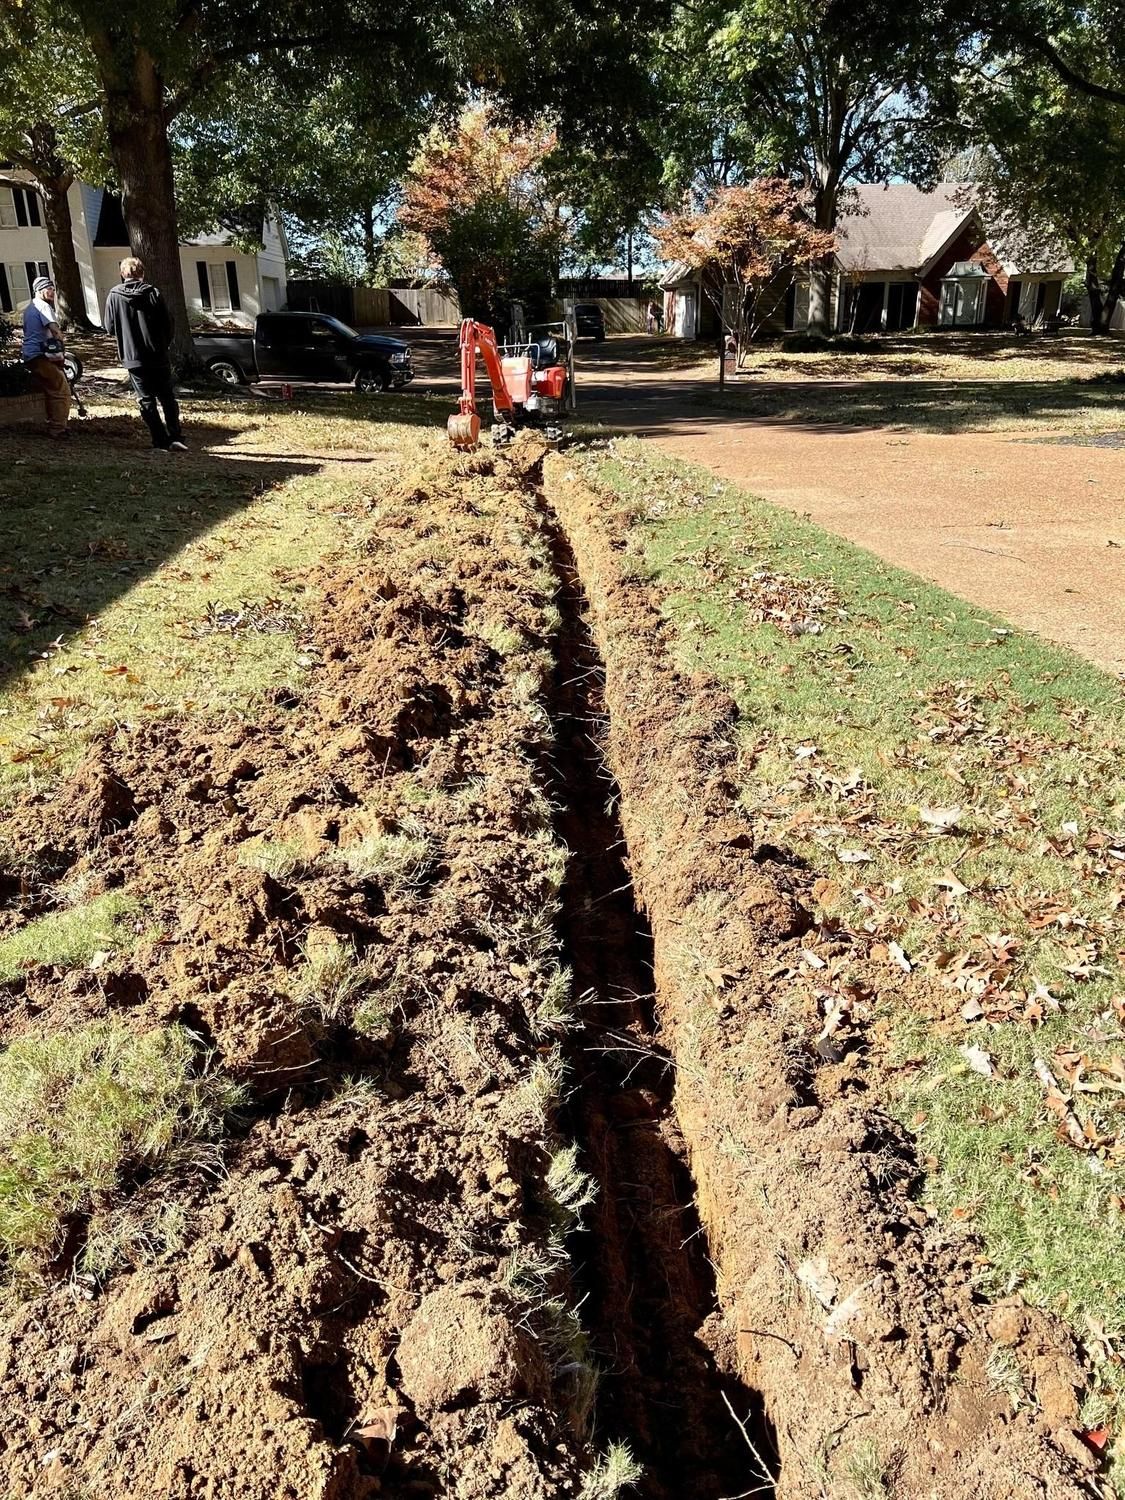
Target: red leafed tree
point(748, 242)
point(479, 196)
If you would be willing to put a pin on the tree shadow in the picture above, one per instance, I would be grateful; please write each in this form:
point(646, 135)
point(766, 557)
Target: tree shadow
point(85, 521)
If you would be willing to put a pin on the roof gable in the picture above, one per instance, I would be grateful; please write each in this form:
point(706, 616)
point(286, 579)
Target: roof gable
point(899, 227)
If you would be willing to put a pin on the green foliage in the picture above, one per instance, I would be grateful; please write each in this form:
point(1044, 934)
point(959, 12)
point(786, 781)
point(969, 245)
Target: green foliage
point(1054, 170)
point(79, 1112)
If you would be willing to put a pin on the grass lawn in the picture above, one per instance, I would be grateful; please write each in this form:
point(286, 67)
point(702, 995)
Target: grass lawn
point(958, 790)
point(138, 584)
point(940, 382)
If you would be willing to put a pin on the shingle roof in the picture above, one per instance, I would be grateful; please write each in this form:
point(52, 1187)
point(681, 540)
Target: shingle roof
point(898, 227)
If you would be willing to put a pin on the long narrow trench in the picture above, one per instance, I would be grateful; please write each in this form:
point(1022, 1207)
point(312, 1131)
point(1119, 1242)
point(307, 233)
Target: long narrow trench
point(643, 1268)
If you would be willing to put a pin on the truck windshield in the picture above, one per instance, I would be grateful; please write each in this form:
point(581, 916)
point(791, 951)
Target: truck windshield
point(338, 327)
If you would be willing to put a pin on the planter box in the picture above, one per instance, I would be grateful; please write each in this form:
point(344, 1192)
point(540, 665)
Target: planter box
point(15, 409)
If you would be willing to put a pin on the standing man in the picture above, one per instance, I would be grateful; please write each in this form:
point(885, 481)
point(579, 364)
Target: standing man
point(136, 314)
point(40, 326)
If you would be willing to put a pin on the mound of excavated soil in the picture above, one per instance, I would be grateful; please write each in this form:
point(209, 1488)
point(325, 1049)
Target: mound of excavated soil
point(850, 1311)
point(343, 1316)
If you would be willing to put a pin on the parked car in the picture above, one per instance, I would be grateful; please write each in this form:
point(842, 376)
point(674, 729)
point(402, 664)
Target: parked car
point(589, 321)
point(305, 349)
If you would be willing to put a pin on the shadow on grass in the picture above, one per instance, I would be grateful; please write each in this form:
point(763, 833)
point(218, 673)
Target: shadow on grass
point(84, 521)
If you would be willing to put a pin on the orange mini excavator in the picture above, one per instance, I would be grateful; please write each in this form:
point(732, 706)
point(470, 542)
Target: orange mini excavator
point(532, 382)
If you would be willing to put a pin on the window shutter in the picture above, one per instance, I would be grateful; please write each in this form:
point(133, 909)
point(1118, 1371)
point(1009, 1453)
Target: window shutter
point(232, 283)
point(204, 287)
point(5, 294)
point(33, 215)
point(21, 207)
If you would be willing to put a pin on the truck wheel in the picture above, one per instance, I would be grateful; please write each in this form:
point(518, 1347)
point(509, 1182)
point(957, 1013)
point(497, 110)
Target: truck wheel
point(225, 372)
point(371, 382)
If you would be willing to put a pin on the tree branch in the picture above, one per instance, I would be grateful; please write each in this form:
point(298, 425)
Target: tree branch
point(1050, 53)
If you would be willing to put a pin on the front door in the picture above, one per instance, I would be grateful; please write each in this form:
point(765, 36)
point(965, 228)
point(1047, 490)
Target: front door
point(685, 315)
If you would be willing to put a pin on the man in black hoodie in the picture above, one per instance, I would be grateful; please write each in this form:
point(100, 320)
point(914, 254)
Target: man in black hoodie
point(136, 314)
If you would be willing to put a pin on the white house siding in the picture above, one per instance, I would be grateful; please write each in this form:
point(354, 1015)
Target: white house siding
point(19, 245)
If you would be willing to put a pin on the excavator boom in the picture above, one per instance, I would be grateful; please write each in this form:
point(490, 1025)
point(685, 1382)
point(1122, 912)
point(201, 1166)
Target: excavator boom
point(464, 425)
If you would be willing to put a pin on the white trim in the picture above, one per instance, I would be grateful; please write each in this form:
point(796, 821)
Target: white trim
point(925, 269)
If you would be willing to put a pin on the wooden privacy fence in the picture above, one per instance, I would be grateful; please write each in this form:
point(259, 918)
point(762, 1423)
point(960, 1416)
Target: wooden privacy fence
point(622, 314)
point(377, 306)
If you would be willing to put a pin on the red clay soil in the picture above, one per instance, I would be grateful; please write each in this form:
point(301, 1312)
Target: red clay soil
point(850, 1311)
point(337, 1322)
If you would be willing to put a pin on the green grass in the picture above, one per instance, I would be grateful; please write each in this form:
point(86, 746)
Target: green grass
point(133, 586)
point(280, 858)
point(616, 1471)
point(69, 937)
point(958, 787)
point(331, 980)
point(79, 1112)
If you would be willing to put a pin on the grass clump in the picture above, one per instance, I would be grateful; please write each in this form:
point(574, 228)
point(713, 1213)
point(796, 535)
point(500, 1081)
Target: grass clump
point(69, 937)
point(398, 861)
point(615, 1471)
point(331, 979)
point(79, 1112)
point(282, 859)
point(569, 1188)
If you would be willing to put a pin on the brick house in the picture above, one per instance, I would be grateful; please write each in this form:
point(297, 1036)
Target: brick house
point(906, 258)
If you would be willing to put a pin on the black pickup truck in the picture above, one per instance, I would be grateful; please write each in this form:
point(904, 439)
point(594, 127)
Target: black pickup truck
point(302, 348)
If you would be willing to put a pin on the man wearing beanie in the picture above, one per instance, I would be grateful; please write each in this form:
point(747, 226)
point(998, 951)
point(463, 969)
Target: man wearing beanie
point(41, 324)
point(137, 316)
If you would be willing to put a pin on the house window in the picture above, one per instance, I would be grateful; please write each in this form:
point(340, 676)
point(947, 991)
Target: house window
point(218, 286)
point(19, 284)
point(902, 305)
point(963, 297)
point(791, 307)
point(19, 208)
point(220, 293)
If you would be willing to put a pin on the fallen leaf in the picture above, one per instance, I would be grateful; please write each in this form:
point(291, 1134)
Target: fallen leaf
point(941, 819)
point(853, 856)
point(978, 1060)
point(899, 957)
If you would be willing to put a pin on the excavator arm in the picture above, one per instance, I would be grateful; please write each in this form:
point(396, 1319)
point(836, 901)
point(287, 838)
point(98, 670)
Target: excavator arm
point(464, 425)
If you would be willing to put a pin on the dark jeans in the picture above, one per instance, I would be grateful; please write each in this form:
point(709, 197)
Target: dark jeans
point(154, 384)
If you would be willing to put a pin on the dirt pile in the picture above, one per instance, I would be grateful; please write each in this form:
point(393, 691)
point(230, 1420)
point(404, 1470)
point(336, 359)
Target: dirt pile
point(848, 1309)
point(350, 901)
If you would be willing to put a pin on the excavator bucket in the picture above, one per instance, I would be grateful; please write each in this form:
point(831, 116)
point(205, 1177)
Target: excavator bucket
point(464, 430)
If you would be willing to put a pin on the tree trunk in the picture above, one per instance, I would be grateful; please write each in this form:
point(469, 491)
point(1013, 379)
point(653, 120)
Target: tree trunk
point(1094, 292)
point(629, 255)
point(369, 243)
point(70, 294)
point(820, 275)
point(138, 144)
